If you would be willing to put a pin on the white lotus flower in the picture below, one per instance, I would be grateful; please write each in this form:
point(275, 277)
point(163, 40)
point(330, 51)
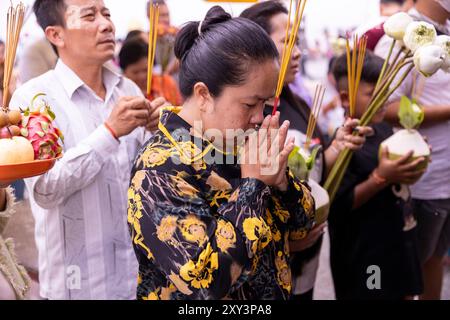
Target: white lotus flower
point(419, 34)
point(428, 59)
point(395, 25)
point(444, 42)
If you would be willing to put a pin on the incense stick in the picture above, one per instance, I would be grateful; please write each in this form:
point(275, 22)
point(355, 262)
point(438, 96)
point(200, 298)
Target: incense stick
point(288, 47)
point(15, 19)
point(355, 63)
point(152, 37)
point(315, 112)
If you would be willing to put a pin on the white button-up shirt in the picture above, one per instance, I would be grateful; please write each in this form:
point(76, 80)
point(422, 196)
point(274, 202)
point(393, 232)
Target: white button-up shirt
point(432, 91)
point(80, 205)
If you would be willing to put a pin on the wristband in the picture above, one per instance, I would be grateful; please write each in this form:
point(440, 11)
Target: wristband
point(379, 180)
point(333, 147)
point(107, 126)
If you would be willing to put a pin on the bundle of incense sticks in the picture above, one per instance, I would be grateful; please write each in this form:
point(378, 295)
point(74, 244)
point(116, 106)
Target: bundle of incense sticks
point(355, 63)
point(388, 81)
point(15, 19)
point(289, 43)
point(152, 37)
point(315, 112)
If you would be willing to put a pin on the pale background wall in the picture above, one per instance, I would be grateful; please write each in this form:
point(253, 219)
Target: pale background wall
point(331, 14)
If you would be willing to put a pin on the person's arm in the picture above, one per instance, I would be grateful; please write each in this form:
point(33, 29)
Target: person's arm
point(81, 164)
point(77, 169)
point(295, 208)
point(344, 138)
point(2, 199)
point(6, 205)
point(367, 189)
point(388, 172)
point(433, 114)
point(203, 254)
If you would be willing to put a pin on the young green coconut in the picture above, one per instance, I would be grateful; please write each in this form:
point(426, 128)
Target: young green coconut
point(408, 139)
point(301, 162)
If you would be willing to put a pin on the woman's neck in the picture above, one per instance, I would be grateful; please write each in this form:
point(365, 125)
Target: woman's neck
point(190, 113)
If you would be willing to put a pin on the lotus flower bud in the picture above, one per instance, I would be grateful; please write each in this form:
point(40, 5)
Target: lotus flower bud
point(395, 25)
point(419, 34)
point(444, 42)
point(429, 59)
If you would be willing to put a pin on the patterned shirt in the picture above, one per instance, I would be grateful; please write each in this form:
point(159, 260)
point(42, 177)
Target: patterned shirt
point(200, 231)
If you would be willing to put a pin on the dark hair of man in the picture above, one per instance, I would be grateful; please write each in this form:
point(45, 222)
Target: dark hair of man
point(50, 13)
point(132, 51)
point(371, 68)
point(133, 34)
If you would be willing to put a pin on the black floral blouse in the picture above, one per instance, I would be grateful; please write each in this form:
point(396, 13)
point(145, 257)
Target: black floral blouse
point(200, 231)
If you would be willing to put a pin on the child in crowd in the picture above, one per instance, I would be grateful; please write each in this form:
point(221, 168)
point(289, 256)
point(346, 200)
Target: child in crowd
point(373, 253)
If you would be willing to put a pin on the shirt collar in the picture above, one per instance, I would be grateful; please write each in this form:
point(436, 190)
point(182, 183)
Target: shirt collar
point(71, 82)
point(170, 123)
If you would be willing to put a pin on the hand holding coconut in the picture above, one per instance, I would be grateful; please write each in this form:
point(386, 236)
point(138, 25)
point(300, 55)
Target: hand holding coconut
point(407, 144)
point(404, 170)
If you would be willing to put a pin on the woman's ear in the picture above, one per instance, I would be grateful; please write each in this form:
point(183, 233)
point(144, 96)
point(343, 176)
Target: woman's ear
point(203, 97)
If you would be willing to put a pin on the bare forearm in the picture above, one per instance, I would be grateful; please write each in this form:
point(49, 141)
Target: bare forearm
point(365, 191)
point(331, 155)
point(433, 114)
point(2, 199)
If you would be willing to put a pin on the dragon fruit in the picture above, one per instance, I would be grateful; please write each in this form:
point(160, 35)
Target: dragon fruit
point(37, 126)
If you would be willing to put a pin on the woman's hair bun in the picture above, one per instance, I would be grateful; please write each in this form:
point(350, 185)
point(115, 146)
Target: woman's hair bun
point(190, 32)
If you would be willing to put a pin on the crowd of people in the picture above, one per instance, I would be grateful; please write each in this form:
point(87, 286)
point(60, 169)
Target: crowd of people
point(154, 199)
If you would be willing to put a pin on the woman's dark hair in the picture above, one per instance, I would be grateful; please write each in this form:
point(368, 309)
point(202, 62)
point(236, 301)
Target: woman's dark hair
point(132, 51)
point(221, 53)
point(262, 12)
point(371, 68)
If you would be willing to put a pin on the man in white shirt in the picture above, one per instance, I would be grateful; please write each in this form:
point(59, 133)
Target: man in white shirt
point(80, 205)
point(432, 193)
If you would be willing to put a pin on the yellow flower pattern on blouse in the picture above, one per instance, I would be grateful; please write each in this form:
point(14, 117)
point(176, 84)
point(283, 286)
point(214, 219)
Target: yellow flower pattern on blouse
point(257, 231)
point(280, 212)
point(200, 273)
point(283, 271)
point(276, 234)
point(298, 234)
point(225, 236)
point(183, 187)
point(153, 157)
point(193, 230)
point(135, 207)
point(166, 229)
point(200, 231)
